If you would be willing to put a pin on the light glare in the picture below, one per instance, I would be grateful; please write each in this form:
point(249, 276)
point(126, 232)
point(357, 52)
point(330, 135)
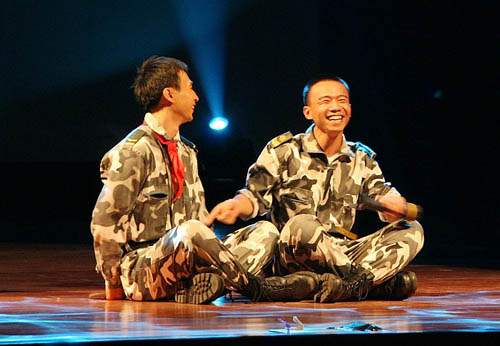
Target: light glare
point(218, 123)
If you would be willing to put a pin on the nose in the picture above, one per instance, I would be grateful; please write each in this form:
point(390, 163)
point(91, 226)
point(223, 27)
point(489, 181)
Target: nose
point(334, 106)
point(196, 98)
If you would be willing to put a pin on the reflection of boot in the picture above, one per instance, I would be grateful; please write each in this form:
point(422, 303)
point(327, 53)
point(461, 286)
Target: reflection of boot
point(354, 286)
point(292, 287)
point(201, 289)
point(399, 287)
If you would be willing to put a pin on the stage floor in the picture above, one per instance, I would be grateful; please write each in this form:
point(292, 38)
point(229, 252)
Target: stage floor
point(46, 290)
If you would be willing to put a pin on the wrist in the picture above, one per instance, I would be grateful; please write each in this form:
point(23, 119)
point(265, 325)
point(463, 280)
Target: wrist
point(243, 205)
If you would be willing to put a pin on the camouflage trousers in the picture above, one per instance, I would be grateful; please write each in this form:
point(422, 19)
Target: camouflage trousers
point(254, 247)
point(152, 272)
point(305, 244)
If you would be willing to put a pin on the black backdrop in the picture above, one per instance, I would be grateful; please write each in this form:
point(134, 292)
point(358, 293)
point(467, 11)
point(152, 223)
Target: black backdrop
point(423, 77)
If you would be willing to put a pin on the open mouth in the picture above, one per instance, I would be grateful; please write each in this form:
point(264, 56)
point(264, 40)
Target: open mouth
point(335, 117)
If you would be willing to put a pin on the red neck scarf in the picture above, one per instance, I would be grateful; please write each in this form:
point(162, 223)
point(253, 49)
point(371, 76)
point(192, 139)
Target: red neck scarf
point(175, 161)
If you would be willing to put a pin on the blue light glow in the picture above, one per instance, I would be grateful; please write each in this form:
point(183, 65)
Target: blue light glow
point(202, 25)
point(218, 123)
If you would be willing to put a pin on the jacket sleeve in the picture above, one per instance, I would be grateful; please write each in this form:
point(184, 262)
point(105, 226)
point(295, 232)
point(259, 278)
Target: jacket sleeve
point(263, 176)
point(374, 183)
point(122, 173)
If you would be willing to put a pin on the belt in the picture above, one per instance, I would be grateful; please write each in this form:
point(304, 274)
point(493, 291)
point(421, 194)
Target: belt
point(340, 232)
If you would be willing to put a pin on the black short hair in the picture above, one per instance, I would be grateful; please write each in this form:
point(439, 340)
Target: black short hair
point(318, 79)
point(154, 75)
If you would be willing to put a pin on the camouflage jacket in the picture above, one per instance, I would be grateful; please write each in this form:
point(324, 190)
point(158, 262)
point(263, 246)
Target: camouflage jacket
point(135, 204)
point(294, 176)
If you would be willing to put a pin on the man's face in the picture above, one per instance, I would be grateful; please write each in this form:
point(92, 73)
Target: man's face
point(329, 107)
point(185, 98)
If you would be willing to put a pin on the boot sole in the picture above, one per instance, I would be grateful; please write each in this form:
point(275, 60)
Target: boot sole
point(201, 289)
point(406, 281)
point(410, 281)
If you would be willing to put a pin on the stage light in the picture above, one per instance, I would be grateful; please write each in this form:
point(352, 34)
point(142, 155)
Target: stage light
point(202, 26)
point(218, 123)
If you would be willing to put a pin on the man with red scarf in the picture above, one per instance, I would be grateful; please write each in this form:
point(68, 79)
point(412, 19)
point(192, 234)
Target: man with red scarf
point(149, 224)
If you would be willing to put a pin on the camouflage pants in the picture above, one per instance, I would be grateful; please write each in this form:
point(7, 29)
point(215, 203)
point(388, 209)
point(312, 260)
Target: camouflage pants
point(152, 273)
point(254, 246)
point(305, 244)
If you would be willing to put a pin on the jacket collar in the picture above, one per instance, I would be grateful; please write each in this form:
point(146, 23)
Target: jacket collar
point(151, 121)
point(311, 146)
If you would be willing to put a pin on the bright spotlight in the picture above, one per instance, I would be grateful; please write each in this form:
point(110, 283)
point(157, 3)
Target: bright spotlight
point(218, 123)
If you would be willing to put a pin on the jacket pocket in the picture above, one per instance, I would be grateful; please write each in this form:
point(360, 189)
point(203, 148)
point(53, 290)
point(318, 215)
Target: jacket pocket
point(158, 193)
point(298, 195)
point(298, 201)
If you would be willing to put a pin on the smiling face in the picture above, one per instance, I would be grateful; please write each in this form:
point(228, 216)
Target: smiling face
point(329, 107)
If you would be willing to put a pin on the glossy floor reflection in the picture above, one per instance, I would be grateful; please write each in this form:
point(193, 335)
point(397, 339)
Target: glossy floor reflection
point(50, 303)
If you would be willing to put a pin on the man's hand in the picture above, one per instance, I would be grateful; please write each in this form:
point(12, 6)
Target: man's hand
point(114, 293)
point(228, 211)
point(396, 205)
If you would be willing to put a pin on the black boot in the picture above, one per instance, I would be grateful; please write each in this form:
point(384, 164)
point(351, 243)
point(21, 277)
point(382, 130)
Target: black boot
point(203, 288)
point(399, 287)
point(354, 286)
point(292, 287)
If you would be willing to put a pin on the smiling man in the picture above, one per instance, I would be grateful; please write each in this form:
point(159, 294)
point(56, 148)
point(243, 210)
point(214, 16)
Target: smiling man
point(309, 185)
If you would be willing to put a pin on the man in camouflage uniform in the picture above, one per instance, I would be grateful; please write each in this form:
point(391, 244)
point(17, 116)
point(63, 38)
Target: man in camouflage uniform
point(150, 237)
point(309, 186)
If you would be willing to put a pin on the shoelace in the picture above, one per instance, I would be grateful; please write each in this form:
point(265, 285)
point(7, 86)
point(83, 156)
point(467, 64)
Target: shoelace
point(358, 286)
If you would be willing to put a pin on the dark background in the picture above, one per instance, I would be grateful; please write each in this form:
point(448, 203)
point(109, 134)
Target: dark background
point(423, 78)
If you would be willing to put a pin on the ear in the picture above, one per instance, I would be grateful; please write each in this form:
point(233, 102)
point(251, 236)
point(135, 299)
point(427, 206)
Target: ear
point(168, 95)
point(307, 112)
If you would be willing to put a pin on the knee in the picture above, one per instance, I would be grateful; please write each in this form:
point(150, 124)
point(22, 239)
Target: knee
point(415, 228)
point(193, 230)
point(418, 233)
point(302, 227)
point(413, 233)
point(266, 230)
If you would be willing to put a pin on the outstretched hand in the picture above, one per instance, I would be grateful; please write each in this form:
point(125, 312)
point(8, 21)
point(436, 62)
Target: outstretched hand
point(226, 212)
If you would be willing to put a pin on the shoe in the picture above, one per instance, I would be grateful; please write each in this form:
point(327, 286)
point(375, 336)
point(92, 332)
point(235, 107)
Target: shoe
point(401, 286)
point(335, 289)
point(201, 289)
point(293, 287)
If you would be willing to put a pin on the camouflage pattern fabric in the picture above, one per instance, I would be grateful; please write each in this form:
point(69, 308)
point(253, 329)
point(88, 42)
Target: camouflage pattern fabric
point(293, 177)
point(254, 246)
point(152, 273)
point(305, 244)
point(135, 207)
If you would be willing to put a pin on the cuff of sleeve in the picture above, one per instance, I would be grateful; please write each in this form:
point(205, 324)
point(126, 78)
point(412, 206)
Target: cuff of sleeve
point(253, 200)
point(113, 284)
point(112, 279)
point(381, 217)
point(391, 192)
